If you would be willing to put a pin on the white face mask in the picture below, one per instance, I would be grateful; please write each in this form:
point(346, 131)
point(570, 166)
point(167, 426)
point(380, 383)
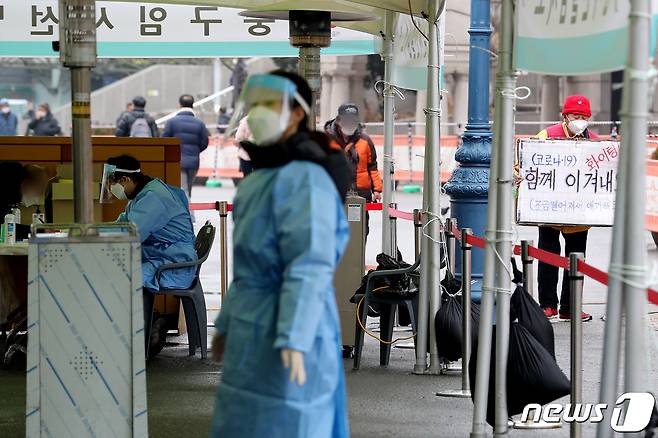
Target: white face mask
point(349, 129)
point(30, 200)
point(118, 191)
point(266, 125)
point(577, 127)
point(5, 110)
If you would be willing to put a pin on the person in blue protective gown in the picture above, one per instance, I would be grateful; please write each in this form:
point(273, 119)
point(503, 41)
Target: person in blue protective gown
point(162, 216)
point(278, 333)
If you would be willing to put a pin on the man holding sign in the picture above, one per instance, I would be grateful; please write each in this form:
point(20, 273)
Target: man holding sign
point(576, 113)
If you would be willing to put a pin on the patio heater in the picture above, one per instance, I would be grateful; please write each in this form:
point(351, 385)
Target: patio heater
point(310, 31)
point(77, 47)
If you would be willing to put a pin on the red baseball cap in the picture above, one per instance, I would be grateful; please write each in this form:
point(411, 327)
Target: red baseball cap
point(577, 105)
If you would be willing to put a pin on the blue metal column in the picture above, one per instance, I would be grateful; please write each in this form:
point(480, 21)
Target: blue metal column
point(468, 186)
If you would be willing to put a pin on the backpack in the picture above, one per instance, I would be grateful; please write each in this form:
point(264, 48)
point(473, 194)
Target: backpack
point(140, 128)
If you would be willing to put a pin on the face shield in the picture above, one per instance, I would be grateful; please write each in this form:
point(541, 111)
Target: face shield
point(111, 190)
point(266, 101)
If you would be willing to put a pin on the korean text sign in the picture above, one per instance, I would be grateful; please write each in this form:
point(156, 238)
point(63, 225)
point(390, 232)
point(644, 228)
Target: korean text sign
point(152, 30)
point(567, 182)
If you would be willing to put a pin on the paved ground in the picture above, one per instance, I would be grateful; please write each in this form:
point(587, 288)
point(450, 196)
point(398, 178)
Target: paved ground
point(383, 402)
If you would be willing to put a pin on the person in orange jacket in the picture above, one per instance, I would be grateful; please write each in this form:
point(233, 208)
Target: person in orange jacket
point(345, 132)
point(576, 113)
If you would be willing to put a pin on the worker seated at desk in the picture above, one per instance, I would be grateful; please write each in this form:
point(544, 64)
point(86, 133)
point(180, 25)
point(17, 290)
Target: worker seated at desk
point(162, 216)
point(22, 185)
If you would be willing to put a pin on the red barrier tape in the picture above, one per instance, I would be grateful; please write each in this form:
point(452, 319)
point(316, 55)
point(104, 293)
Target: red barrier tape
point(203, 206)
point(400, 214)
point(374, 206)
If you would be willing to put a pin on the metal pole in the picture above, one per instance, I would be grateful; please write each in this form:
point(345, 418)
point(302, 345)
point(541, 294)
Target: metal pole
point(418, 231)
point(450, 240)
point(223, 248)
point(82, 153)
point(430, 298)
point(503, 137)
point(393, 236)
point(576, 280)
point(465, 391)
point(527, 260)
point(410, 146)
point(634, 121)
point(614, 309)
point(77, 45)
point(388, 246)
point(309, 69)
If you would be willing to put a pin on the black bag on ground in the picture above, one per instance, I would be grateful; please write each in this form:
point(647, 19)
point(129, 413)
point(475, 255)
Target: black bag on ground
point(530, 315)
point(533, 376)
point(394, 286)
point(448, 320)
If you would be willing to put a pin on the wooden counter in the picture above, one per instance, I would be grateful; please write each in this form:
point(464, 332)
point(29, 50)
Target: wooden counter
point(159, 157)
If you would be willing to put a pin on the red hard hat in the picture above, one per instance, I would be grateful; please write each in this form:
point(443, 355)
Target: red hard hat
point(577, 105)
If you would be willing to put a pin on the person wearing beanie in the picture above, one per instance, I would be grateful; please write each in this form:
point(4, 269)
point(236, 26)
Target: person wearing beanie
point(576, 113)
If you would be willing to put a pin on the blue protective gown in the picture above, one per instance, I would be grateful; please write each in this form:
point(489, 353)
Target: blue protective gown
point(290, 232)
point(162, 215)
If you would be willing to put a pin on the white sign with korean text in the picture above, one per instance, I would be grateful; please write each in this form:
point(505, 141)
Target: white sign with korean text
point(152, 30)
point(567, 182)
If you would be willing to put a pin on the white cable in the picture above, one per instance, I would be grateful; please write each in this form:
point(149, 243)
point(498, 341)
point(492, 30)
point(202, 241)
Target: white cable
point(514, 94)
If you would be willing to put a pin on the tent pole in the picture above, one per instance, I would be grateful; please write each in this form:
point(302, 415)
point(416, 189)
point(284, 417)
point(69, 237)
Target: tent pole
point(388, 247)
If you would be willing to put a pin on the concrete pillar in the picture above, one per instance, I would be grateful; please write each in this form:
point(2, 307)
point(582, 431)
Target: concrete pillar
point(326, 111)
point(357, 74)
point(340, 90)
point(460, 102)
point(550, 99)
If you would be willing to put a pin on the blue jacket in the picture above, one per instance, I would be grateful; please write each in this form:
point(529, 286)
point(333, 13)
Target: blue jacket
point(290, 232)
point(164, 224)
point(8, 123)
point(193, 137)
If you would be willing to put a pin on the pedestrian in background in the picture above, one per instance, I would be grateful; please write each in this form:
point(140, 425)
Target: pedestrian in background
point(136, 123)
point(44, 123)
point(222, 120)
point(243, 134)
point(193, 137)
point(576, 113)
point(346, 133)
point(129, 108)
point(8, 120)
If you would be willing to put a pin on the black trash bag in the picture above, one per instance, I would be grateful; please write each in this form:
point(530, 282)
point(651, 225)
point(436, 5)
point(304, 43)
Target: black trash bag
point(448, 320)
point(448, 326)
point(530, 315)
point(533, 376)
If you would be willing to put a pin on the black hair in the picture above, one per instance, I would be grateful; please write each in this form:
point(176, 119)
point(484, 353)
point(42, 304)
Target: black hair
point(126, 162)
point(304, 91)
point(45, 106)
point(139, 102)
point(186, 101)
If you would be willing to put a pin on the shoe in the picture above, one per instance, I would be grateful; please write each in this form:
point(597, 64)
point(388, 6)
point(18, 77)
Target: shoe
point(550, 312)
point(567, 316)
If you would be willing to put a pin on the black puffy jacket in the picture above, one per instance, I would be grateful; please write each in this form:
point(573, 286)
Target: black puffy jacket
point(193, 137)
point(45, 126)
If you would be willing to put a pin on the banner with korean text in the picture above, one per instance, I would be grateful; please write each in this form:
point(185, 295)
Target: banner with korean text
point(152, 30)
point(575, 37)
point(567, 182)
